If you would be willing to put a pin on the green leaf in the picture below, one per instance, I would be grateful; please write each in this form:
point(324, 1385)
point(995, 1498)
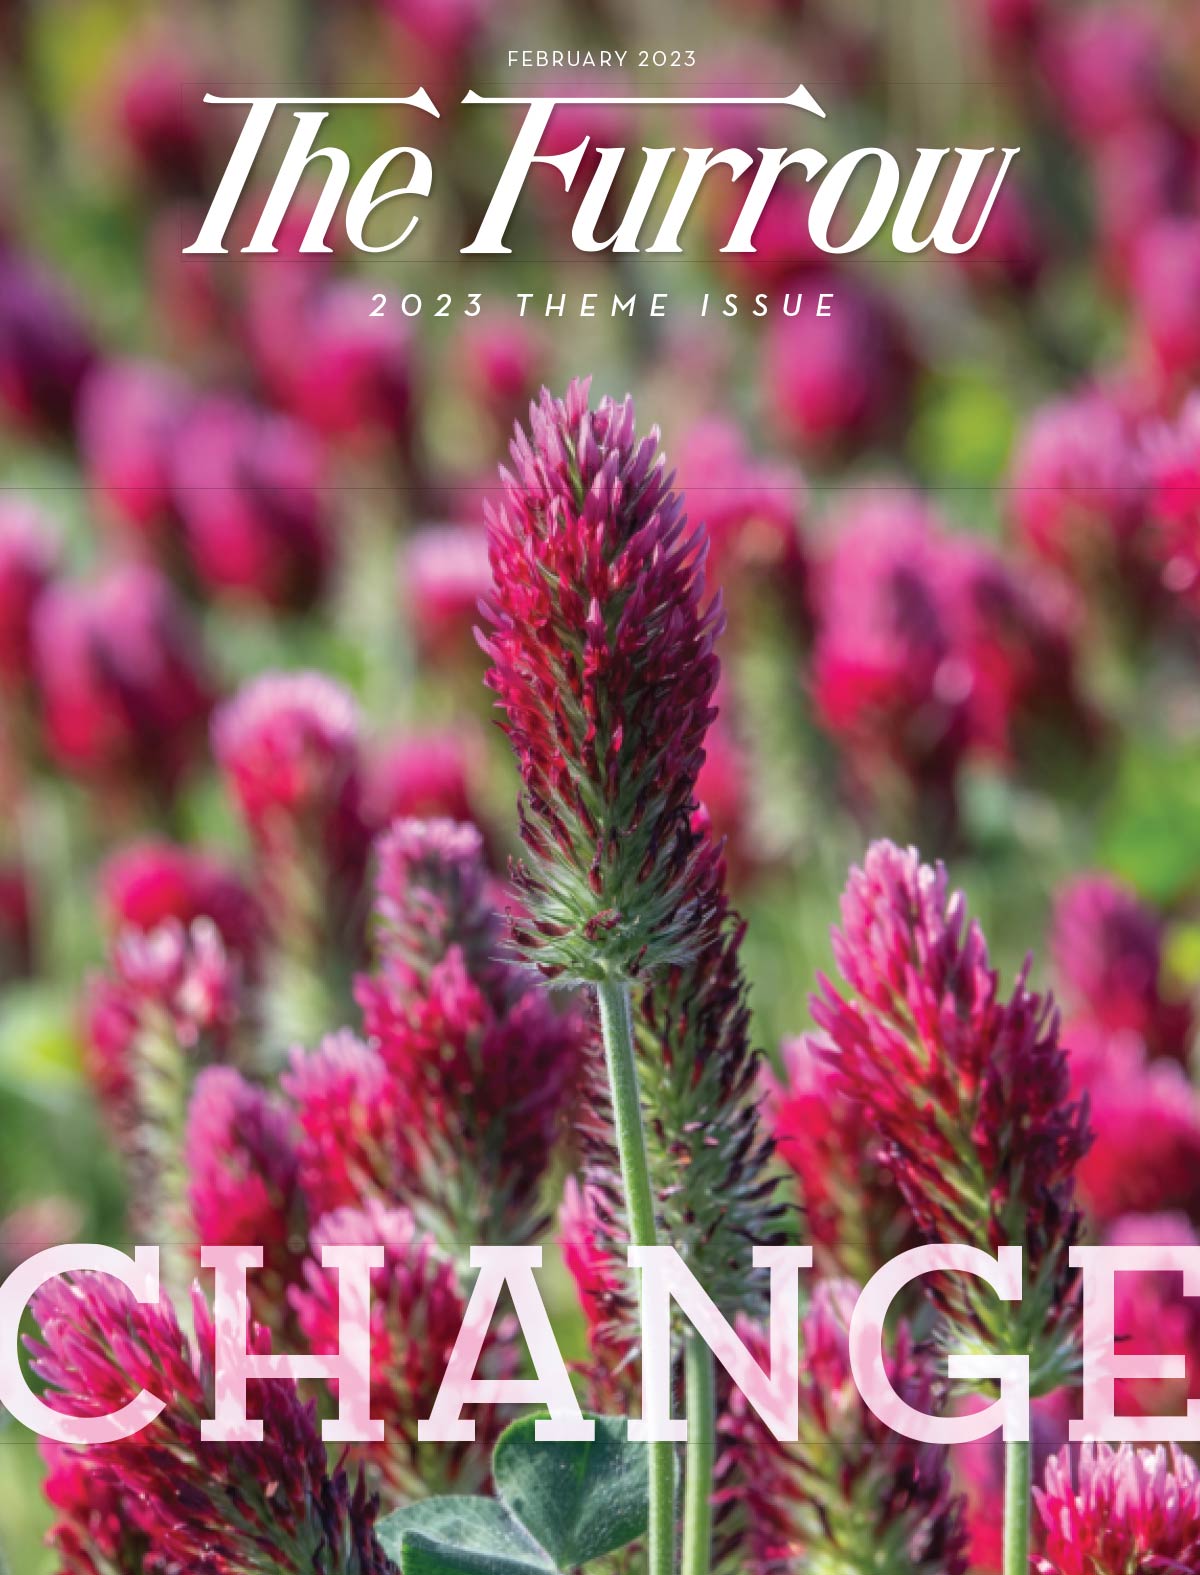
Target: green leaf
point(460, 1536)
point(580, 1501)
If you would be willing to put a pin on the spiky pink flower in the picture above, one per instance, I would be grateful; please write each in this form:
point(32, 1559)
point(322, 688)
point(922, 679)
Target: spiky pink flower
point(247, 484)
point(850, 1493)
point(852, 1209)
point(482, 1062)
point(1126, 1509)
point(28, 558)
point(353, 1143)
point(968, 1093)
point(95, 1530)
point(600, 1279)
point(417, 1309)
point(228, 1509)
point(243, 1188)
point(123, 682)
point(1108, 948)
point(1146, 1120)
point(151, 882)
point(1077, 487)
point(1173, 460)
point(129, 414)
point(602, 653)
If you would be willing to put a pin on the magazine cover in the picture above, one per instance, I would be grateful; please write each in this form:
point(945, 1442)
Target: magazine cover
point(599, 787)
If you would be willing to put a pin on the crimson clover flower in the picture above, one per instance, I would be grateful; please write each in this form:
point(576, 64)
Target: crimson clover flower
point(28, 559)
point(968, 1094)
point(417, 1309)
point(1123, 1510)
point(602, 653)
point(482, 1063)
point(850, 1494)
point(243, 1180)
point(220, 1508)
point(1173, 462)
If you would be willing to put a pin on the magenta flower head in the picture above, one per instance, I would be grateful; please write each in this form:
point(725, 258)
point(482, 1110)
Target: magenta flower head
point(1151, 1315)
point(124, 687)
point(417, 1308)
point(1126, 1509)
point(1166, 289)
point(426, 775)
point(219, 1508)
point(850, 1494)
point(129, 414)
point(482, 1062)
point(1108, 954)
point(152, 882)
point(968, 1094)
point(1078, 486)
point(28, 559)
point(95, 1529)
point(247, 485)
point(443, 575)
point(602, 652)
point(243, 1170)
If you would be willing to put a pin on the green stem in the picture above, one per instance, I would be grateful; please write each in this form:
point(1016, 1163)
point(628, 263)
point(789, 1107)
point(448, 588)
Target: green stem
point(616, 1025)
point(1017, 1493)
point(701, 1457)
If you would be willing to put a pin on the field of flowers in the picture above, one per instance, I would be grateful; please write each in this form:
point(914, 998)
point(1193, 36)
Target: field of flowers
point(880, 876)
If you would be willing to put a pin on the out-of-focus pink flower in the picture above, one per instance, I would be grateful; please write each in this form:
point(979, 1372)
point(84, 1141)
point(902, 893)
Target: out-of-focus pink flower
point(160, 116)
point(853, 1213)
point(48, 1221)
point(1153, 1317)
point(129, 414)
point(1078, 495)
point(417, 1308)
point(725, 795)
point(1140, 178)
point(1146, 1120)
point(968, 1093)
point(444, 572)
point(1126, 1509)
point(247, 485)
point(337, 368)
point(1016, 630)
point(1173, 461)
point(45, 350)
point(849, 1481)
point(28, 559)
point(244, 1179)
point(1103, 65)
point(503, 359)
point(223, 1508)
point(1166, 297)
point(836, 382)
point(150, 882)
point(888, 681)
point(1107, 948)
point(123, 684)
point(1013, 25)
point(753, 511)
point(288, 744)
point(1010, 252)
point(434, 775)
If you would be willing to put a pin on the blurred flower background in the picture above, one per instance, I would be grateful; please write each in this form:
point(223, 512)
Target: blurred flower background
point(956, 526)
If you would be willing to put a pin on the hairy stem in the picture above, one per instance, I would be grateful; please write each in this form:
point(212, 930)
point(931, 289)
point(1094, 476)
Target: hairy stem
point(617, 1028)
point(701, 1457)
point(1017, 1492)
